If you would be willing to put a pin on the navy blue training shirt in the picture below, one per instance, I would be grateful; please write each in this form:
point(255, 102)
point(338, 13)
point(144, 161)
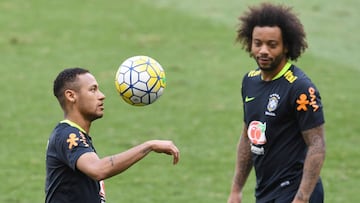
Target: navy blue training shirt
point(64, 183)
point(275, 113)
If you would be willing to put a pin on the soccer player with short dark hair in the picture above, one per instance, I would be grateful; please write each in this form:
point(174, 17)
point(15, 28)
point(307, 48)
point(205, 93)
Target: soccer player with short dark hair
point(74, 172)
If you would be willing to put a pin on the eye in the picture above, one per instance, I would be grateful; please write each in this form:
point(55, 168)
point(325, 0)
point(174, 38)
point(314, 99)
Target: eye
point(273, 44)
point(93, 89)
point(257, 43)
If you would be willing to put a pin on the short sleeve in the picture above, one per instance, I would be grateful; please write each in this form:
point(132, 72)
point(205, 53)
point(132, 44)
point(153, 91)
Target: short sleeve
point(71, 144)
point(307, 104)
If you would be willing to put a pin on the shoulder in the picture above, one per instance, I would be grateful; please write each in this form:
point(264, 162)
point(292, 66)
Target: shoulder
point(64, 129)
point(252, 76)
point(64, 134)
point(253, 73)
point(298, 79)
point(304, 92)
point(67, 143)
point(68, 137)
point(297, 75)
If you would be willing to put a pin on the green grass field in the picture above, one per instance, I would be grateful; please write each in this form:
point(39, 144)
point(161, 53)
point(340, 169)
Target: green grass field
point(200, 109)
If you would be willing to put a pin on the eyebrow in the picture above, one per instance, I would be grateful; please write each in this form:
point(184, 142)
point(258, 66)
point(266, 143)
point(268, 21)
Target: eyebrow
point(93, 86)
point(271, 40)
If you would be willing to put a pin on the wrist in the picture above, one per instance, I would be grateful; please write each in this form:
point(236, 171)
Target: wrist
point(148, 147)
point(299, 197)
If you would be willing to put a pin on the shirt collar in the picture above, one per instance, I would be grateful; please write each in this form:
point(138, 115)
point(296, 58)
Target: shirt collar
point(283, 71)
point(73, 125)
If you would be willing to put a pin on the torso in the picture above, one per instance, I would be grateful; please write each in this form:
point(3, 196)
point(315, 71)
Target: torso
point(275, 124)
point(64, 183)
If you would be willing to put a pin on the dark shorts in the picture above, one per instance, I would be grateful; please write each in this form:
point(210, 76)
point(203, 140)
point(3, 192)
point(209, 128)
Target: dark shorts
point(316, 197)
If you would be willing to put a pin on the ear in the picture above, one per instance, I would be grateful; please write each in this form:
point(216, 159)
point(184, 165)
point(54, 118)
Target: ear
point(70, 95)
point(286, 50)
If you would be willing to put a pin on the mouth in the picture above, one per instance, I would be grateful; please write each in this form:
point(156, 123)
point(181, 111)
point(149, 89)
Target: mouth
point(101, 106)
point(263, 61)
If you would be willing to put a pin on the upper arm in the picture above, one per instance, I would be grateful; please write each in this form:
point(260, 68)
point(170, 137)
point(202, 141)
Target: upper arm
point(243, 141)
point(86, 163)
point(244, 152)
point(306, 103)
point(70, 144)
point(244, 130)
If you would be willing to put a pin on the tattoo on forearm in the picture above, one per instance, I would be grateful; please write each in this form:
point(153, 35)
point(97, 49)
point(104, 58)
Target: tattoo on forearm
point(244, 162)
point(317, 145)
point(300, 195)
point(112, 160)
point(314, 139)
point(146, 151)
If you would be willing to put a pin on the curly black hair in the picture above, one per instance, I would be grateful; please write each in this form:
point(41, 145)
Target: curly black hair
point(267, 14)
point(65, 80)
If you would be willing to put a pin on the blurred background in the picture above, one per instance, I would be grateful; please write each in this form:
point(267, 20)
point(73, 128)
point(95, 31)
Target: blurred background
point(201, 109)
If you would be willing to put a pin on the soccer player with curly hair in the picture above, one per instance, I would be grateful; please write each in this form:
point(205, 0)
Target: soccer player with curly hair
point(283, 133)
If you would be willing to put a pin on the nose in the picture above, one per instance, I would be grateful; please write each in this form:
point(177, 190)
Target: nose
point(101, 96)
point(264, 50)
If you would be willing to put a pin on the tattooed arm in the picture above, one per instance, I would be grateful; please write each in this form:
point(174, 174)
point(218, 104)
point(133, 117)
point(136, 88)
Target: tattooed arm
point(100, 169)
point(314, 138)
point(242, 168)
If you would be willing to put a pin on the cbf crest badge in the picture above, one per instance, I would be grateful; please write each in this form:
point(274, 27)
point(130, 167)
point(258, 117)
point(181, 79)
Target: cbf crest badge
point(272, 104)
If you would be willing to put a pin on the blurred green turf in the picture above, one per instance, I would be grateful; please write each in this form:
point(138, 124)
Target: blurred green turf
point(200, 109)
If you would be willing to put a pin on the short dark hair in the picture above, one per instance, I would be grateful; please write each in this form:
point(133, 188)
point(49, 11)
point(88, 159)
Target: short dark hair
point(267, 14)
point(65, 80)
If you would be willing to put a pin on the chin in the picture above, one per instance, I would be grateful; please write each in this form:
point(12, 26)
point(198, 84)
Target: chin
point(267, 69)
point(96, 117)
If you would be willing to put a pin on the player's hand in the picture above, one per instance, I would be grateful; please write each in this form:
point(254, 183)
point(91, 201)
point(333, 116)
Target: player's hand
point(300, 198)
point(235, 198)
point(167, 147)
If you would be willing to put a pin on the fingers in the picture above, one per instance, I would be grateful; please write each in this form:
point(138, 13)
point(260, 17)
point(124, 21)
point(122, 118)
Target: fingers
point(176, 155)
point(167, 147)
point(174, 151)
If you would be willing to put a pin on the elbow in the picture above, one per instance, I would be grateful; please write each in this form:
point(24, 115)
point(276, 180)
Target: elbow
point(93, 167)
point(317, 152)
point(97, 172)
point(99, 175)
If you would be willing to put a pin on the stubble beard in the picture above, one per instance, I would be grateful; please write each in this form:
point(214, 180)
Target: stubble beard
point(274, 63)
point(93, 116)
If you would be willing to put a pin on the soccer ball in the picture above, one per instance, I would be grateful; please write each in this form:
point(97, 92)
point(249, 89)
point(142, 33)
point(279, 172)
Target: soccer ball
point(140, 80)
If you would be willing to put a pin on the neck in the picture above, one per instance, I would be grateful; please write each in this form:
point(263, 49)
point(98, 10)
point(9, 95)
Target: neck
point(82, 123)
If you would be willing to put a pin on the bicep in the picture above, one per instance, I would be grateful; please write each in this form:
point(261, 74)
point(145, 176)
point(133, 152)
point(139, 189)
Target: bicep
point(86, 163)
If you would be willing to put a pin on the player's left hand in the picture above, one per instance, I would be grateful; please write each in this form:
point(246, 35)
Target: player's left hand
point(167, 147)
